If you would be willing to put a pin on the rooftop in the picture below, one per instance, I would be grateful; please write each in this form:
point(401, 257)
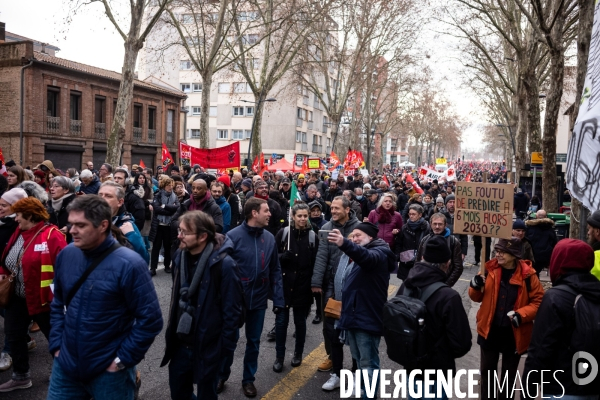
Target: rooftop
point(13, 37)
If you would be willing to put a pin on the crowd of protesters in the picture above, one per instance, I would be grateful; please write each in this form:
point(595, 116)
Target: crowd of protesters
point(232, 242)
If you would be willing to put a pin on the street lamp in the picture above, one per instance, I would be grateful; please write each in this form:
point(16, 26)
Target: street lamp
point(256, 104)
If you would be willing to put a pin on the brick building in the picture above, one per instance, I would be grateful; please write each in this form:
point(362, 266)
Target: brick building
point(68, 109)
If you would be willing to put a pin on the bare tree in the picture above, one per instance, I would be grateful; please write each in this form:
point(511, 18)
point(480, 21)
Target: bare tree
point(142, 17)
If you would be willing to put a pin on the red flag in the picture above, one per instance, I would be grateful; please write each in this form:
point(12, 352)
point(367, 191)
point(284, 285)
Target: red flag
point(3, 169)
point(410, 179)
point(142, 163)
point(305, 169)
point(423, 171)
point(255, 164)
point(166, 156)
point(385, 179)
point(468, 178)
point(262, 160)
point(334, 160)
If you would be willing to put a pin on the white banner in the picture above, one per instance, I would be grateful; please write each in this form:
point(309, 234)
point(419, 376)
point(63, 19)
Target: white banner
point(583, 158)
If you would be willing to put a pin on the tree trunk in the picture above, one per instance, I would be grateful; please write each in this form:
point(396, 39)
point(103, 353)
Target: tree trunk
point(586, 22)
point(533, 104)
point(256, 144)
point(205, 107)
point(520, 139)
point(117, 130)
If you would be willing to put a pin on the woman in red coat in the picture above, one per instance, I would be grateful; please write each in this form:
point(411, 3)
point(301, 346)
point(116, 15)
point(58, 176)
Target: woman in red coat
point(29, 257)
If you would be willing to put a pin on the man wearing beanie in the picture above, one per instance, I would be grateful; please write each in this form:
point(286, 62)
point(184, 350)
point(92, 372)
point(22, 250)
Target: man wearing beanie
point(518, 231)
point(246, 187)
point(362, 277)
point(448, 330)
point(593, 236)
point(557, 322)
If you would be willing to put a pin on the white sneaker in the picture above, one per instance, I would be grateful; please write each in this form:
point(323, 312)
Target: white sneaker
point(161, 259)
point(332, 384)
point(5, 361)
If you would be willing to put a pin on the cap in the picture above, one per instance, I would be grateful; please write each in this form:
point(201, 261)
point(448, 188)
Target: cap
point(314, 204)
point(513, 246)
point(518, 224)
point(368, 228)
point(285, 180)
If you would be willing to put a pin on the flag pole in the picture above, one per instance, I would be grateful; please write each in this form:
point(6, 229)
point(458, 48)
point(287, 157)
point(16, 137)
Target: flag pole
point(290, 226)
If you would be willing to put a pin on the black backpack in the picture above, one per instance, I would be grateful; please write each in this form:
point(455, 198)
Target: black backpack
point(586, 324)
point(404, 326)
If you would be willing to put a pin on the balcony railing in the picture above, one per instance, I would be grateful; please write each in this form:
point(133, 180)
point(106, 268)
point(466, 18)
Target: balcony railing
point(53, 125)
point(299, 122)
point(171, 138)
point(151, 135)
point(304, 146)
point(100, 130)
point(310, 124)
point(137, 134)
point(75, 128)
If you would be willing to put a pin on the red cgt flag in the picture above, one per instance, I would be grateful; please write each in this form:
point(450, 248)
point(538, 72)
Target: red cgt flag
point(255, 164)
point(166, 156)
point(142, 164)
point(385, 179)
point(416, 186)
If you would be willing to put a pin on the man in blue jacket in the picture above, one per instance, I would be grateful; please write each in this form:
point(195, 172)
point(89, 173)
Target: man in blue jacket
point(364, 282)
point(112, 319)
point(259, 270)
point(216, 190)
point(206, 307)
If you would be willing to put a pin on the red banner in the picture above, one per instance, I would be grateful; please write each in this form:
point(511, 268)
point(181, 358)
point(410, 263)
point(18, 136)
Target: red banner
point(220, 157)
point(166, 156)
point(334, 161)
point(354, 160)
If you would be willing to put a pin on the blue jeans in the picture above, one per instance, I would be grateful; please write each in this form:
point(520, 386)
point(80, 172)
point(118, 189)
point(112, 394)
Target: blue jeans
point(255, 320)
point(365, 350)
point(282, 321)
point(181, 378)
point(432, 390)
point(106, 386)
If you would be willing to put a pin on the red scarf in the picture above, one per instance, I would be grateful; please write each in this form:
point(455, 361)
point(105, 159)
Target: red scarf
point(199, 206)
point(261, 197)
point(385, 216)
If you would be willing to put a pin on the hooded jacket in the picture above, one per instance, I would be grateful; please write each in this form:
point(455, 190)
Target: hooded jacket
point(135, 206)
point(365, 289)
point(258, 265)
point(226, 210)
point(448, 326)
point(169, 209)
point(527, 303)
point(115, 313)
point(541, 236)
point(218, 310)
point(328, 255)
point(456, 266)
point(521, 203)
point(93, 187)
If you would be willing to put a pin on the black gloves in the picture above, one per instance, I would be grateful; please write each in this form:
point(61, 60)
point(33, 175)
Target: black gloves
point(515, 319)
point(477, 282)
point(276, 310)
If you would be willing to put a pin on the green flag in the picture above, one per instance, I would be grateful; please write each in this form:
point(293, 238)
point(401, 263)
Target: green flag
point(294, 195)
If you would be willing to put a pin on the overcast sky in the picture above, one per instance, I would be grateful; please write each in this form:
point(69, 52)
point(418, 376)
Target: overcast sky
point(91, 39)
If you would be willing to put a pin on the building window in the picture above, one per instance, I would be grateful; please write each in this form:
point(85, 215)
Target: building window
point(197, 87)
point(222, 133)
point(310, 116)
point(239, 87)
point(195, 110)
point(253, 63)
point(300, 113)
point(225, 87)
point(238, 111)
point(194, 133)
point(185, 87)
point(75, 106)
point(186, 65)
point(250, 39)
point(238, 134)
point(212, 112)
point(298, 136)
point(247, 16)
point(99, 110)
point(53, 96)
point(248, 133)
point(151, 118)
point(249, 111)
point(170, 120)
point(137, 116)
point(187, 18)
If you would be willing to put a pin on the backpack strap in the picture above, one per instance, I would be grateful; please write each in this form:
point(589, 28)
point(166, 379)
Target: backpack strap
point(430, 290)
point(311, 238)
point(568, 289)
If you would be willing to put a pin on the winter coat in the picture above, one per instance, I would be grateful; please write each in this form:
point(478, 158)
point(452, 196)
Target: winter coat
point(134, 237)
point(402, 201)
point(406, 208)
point(527, 303)
point(37, 263)
point(317, 223)
point(8, 226)
point(210, 207)
point(226, 210)
point(365, 289)
point(364, 210)
point(170, 209)
point(115, 313)
point(297, 271)
point(356, 207)
point(135, 206)
point(93, 187)
point(521, 203)
point(218, 310)
point(456, 267)
point(236, 213)
point(148, 224)
point(549, 348)
point(427, 207)
point(60, 217)
point(406, 241)
point(328, 255)
point(385, 230)
point(258, 265)
point(541, 235)
point(448, 326)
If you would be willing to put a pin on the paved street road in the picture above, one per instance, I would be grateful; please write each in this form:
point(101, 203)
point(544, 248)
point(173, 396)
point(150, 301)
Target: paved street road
point(302, 382)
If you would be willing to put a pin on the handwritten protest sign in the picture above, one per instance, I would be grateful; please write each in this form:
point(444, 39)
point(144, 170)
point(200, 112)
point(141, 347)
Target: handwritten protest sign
point(483, 209)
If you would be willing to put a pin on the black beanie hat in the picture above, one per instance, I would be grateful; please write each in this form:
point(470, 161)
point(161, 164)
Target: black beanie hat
point(437, 250)
point(450, 197)
point(594, 219)
point(368, 228)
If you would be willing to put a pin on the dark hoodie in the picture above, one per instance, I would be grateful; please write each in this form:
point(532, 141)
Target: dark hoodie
point(365, 288)
point(549, 349)
point(448, 330)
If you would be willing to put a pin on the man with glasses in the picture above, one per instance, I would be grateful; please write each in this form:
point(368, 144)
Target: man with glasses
point(90, 166)
point(105, 173)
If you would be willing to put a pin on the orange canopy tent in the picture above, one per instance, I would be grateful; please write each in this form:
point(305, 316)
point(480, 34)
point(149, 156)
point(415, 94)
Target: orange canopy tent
point(282, 165)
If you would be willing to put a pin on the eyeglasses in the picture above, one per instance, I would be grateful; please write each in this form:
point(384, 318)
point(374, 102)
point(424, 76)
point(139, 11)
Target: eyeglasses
point(184, 233)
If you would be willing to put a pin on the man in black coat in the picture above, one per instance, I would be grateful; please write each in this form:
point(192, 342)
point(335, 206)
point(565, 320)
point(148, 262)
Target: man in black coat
point(261, 191)
point(521, 203)
point(133, 202)
point(448, 333)
point(540, 233)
